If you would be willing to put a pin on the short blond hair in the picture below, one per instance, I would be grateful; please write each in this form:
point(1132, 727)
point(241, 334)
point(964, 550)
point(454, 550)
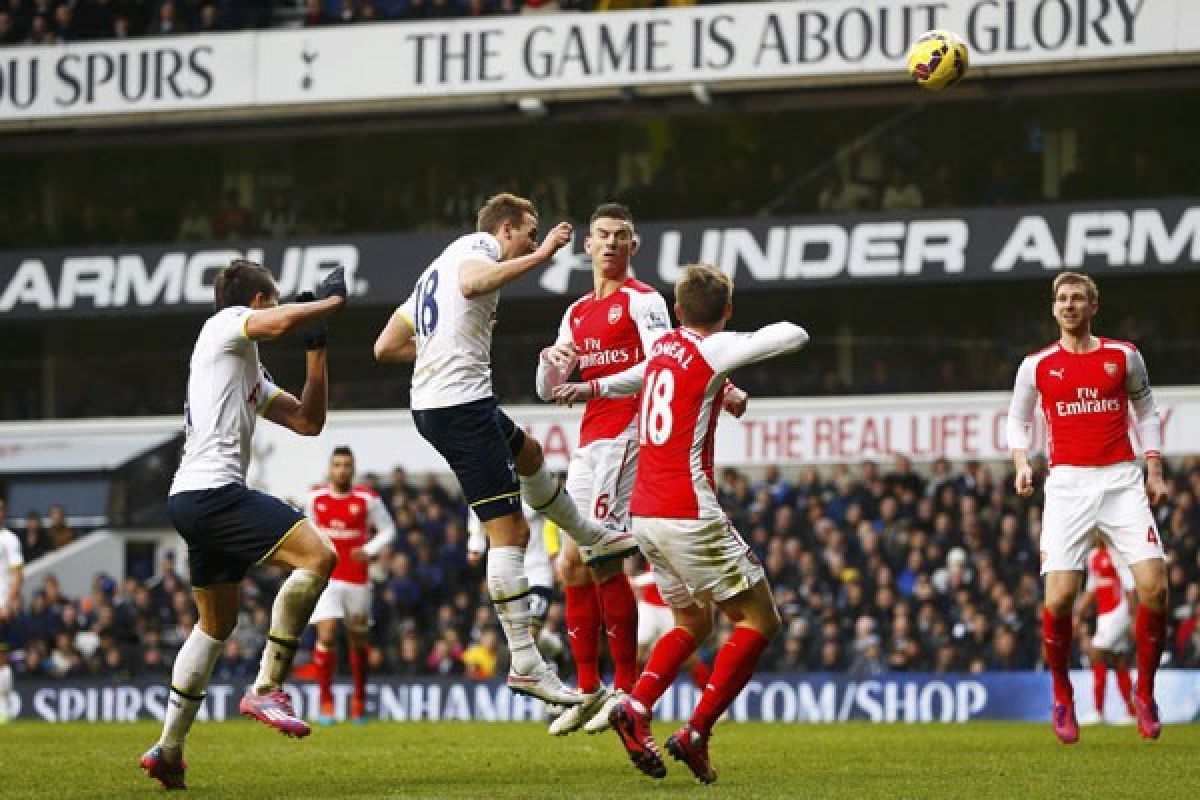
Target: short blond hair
point(1093, 293)
point(702, 293)
point(502, 208)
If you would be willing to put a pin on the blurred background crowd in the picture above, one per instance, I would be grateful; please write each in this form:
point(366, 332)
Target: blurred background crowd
point(876, 568)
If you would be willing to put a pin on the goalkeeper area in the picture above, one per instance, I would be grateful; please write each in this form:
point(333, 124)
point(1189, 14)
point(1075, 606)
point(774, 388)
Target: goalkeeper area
point(240, 759)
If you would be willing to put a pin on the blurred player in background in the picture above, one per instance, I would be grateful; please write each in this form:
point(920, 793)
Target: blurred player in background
point(604, 332)
point(539, 563)
point(655, 621)
point(346, 513)
point(229, 527)
point(1088, 386)
point(1109, 589)
point(12, 565)
point(698, 559)
point(446, 326)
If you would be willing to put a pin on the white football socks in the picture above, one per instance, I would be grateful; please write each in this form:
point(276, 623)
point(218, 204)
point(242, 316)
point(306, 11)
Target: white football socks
point(289, 615)
point(509, 590)
point(545, 494)
point(189, 678)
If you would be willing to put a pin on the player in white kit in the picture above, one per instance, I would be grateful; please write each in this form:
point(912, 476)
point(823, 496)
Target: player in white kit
point(446, 327)
point(229, 527)
point(1088, 387)
point(698, 559)
point(12, 564)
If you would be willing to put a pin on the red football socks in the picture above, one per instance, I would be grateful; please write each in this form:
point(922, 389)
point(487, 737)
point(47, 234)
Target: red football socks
point(583, 616)
point(619, 607)
point(735, 663)
point(1149, 633)
point(1099, 684)
point(1125, 685)
point(358, 669)
point(325, 662)
point(700, 673)
point(668, 655)
point(1056, 643)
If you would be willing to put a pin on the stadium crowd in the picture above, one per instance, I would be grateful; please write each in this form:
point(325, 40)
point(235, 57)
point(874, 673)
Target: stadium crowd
point(55, 21)
point(876, 569)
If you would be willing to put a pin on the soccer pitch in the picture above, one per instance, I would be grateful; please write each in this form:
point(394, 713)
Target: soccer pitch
point(519, 760)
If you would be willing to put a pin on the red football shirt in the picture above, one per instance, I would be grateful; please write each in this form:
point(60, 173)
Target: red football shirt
point(347, 520)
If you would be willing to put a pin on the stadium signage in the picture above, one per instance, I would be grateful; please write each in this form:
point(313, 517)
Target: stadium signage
point(833, 250)
point(780, 698)
point(439, 64)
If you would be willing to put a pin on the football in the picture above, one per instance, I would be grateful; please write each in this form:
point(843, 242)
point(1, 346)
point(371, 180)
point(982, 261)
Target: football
point(937, 59)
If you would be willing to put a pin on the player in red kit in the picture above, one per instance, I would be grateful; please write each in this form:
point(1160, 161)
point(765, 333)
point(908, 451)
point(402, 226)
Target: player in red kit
point(1108, 583)
point(604, 332)
point(698, 559)
point(346, 513)
point(1088, 387)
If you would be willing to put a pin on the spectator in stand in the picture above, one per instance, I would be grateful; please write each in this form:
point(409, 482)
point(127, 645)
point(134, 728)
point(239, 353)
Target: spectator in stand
point(279, 218)
point(8, 28)
point(166, 21)
point(35, 541)
point(66, 26)
point(195, 225)
point(60, 532)
point(479, 660)
point(314, 14)
point(900, 193)
point(232, 220)
point(121, 26)
point(209, 19)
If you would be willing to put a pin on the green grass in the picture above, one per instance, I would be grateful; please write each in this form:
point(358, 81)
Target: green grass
point(480, 760)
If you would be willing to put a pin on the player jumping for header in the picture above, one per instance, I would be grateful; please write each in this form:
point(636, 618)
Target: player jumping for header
point(446, 327)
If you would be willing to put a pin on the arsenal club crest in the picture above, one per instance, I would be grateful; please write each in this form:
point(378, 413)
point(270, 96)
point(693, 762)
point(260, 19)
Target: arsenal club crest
point(1111, 368)
point(614, 314)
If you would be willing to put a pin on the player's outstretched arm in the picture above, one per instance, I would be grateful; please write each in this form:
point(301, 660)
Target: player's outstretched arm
point(271, 323)
point(623, 384)
point(396, 342)
point(727, 351)
point(1019, 426)
point(478, 277)
point(1149, 424)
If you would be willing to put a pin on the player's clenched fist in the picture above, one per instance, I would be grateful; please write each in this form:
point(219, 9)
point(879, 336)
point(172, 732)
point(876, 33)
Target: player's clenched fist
point(558, 237)
point(1024, 481)
point(334, 285)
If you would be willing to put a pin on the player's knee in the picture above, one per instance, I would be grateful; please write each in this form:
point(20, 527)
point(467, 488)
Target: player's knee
point(219, 629)
point(529, 459)
point(574, 573)
point(326, 560)
point(1153, 593)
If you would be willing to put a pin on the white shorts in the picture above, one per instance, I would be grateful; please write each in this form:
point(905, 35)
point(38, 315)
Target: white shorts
point(600, 476)
point(654, 622)
point(1112, 630)
point(342, 600)
point(1083, 501)
point(697, 561)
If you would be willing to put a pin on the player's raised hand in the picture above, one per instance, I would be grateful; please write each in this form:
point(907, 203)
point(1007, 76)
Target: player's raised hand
point(1156, 489)
point(1024, 482)
point(734, 402)
point(568, 394)
point(334, 285)
point(558, 237)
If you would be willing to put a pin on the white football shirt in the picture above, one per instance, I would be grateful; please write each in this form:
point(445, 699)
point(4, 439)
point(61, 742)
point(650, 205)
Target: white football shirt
point(227, 390)
point(10, 559)
point(453, 332)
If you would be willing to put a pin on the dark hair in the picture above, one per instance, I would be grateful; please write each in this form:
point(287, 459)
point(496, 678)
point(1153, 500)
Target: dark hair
point(238, 283)
point(502, 208)
point(702, 293)
point(611, 211)
point(341, 450)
